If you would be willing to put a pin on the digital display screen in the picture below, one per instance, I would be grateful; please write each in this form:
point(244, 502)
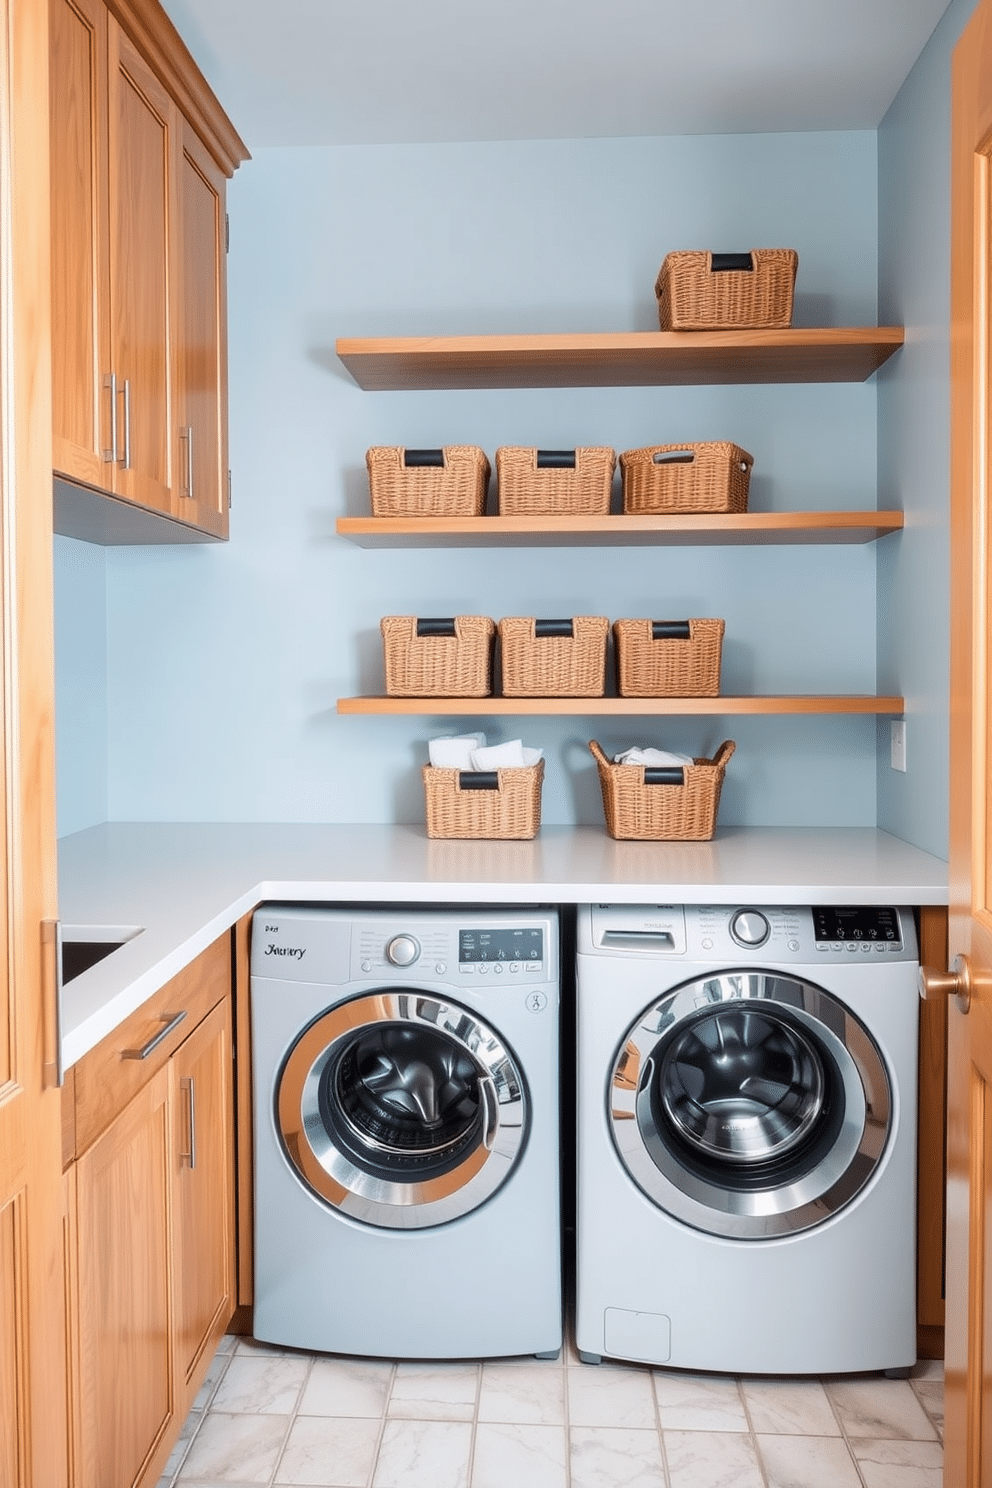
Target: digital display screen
point(500, 945)
point(858, 922)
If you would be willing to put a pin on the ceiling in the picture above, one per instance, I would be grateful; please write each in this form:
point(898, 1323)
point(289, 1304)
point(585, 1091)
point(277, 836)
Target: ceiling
point(341, 72)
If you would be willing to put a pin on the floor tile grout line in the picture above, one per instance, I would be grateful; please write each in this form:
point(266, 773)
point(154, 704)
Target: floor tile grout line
point(752, 1434)
point(293, 1415)
point(383, 1420)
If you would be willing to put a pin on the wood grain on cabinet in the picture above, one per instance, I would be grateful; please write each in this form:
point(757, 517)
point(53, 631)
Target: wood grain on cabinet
point(619, 359)
point(625, 707)
point(33, 1453)
point(127, 1371)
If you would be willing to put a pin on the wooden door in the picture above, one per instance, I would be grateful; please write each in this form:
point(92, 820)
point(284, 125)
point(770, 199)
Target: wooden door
point(200, 483)
point(968, 1442)
point(143, 135)
point(80, 265)
point(32, 1330)
point(124, 1292)
point(203, 1188)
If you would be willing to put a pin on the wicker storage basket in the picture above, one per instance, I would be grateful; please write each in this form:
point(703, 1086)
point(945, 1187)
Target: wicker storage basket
point(639, 806)
point(554, 658)
point(438, 658)
point(496, 803)
point(681, 478)
point(448, 482)
point(723, 291)
point(668, 658)
point(535, 482)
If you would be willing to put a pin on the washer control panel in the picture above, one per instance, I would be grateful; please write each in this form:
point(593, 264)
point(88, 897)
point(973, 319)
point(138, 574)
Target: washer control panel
point(745, 933)
point(469, 947)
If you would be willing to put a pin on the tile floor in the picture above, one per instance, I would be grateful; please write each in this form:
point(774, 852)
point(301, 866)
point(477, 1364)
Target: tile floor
point(279, 1417)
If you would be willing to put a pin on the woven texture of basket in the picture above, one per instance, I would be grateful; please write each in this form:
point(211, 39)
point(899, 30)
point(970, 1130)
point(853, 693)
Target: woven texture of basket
point(448, 482)
point(654, 661)
point(510, 807)
point(680, 478)
point(643, 812)
point(435, 664)
point(533, 482)
point(555, 663)
point(701, 291)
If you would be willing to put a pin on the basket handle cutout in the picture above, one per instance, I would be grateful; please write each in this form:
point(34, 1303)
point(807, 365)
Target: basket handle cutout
point(670, 630)
point(664, 775)
point(413, 458)
point(556, 459)
point(436, 627)
point(478, 780)
point(553, 628)
point(724, 263)
point(677, 457)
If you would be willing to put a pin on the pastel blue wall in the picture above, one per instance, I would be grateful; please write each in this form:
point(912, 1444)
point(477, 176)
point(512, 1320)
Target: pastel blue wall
point(913, 435)
point(223, 664)
point(81, 684)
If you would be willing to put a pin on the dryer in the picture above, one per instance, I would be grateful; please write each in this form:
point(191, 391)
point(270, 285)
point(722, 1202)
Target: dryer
point(405, 1073)
point(746, 1142)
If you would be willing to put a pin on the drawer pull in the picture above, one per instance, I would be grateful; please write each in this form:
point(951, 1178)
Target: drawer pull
point(170, 1022)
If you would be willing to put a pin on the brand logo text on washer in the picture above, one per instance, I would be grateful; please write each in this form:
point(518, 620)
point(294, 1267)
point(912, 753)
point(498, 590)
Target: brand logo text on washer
point(296, 951)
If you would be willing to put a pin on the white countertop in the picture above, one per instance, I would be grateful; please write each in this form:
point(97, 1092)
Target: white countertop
point(184, 884)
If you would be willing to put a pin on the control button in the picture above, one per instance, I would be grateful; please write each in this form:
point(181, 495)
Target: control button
point(514, 966)
point(749, 927)
point(498, 970)
point(441, 968)
point(402, 950)
point(852, 946)
point(837, 946)
point(866, 947)
point(794, 945)
point(482, 970)
point(880, 947)
point(536, 1001)
point(534, 970)
point(366, 965)
point(707, 945)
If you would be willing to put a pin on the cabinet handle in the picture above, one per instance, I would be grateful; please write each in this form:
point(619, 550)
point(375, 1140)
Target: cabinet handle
point(110, 381)
point(186, 438)
point(170, 1022)
point(189, 1085)
point(51, 970)
point(126, 462)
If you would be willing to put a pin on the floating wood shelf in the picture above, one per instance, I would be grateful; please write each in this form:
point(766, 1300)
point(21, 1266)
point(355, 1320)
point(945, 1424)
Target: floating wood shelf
point(625, 707)
point(746, 529)
point(631, 359)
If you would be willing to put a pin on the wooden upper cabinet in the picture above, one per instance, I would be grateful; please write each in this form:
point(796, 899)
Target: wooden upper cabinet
point(140, 155)
point(80, 257)
point(201, 360)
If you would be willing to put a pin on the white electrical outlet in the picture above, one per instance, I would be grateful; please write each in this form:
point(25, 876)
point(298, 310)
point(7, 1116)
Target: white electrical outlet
point(898, 742)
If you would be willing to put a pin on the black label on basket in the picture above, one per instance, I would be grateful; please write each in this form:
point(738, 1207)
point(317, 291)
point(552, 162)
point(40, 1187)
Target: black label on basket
point(664, 775)
point(413, 457)
point(674, 457)
point(723, 263)
point(436, 627)
point(553, 628)
point(670, 630)
point(556, 459)
point(478, 779)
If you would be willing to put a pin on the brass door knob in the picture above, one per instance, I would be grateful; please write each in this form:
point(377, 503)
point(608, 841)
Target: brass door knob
point(955, 983)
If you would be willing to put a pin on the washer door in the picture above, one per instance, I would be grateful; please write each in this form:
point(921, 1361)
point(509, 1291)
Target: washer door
point(401, 1110)
point(749, 1104)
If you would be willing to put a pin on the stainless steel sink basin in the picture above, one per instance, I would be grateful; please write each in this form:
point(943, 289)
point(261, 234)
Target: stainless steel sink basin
point(82, 946)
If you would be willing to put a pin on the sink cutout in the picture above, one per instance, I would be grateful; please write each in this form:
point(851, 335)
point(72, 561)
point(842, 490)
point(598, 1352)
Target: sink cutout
point(84, 946)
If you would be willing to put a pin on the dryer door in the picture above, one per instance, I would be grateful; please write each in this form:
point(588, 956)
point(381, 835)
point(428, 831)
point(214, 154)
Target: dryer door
point(750, 1104)
point(401, 1110)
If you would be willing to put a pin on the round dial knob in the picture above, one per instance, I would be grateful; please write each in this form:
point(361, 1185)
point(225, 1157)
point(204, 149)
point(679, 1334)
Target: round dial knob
point(749, 927)
point(402, 950)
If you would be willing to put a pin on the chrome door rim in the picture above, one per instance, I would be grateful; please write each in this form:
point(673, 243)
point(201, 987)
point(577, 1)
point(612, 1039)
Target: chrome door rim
point(334, 1175)
point(723, 1204)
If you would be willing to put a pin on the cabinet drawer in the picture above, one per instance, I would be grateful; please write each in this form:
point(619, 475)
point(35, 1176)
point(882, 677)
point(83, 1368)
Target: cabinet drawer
point(113, 1072)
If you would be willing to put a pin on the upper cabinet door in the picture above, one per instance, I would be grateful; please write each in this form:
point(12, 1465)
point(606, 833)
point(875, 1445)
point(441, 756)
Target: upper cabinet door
point(200, 483)
point(80, 263)
point(143, 140)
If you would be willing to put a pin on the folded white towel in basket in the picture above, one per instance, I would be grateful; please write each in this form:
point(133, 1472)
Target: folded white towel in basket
point(454, 752)
point(512, 755)
point(651, 757)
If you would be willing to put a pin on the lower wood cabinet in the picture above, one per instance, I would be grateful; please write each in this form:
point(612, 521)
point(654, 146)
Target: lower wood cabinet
point(150, 1185)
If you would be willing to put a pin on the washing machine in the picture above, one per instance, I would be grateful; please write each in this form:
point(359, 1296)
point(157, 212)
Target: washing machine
point(746, 1144)
point(405, 1068)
